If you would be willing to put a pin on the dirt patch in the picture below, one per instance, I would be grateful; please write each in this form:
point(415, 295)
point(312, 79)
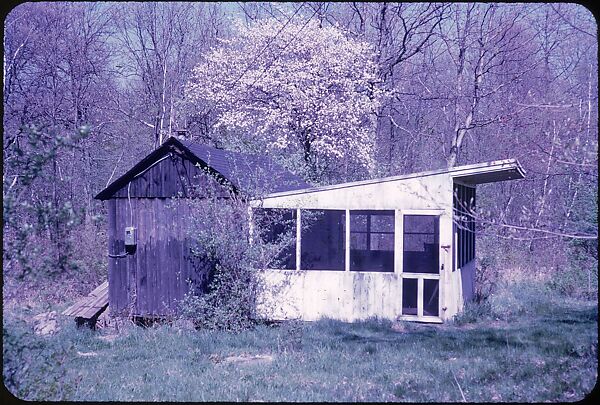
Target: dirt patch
point(108, 338)
point(45, 323)
point(242, 359)
point(87, 354)
point(399, 326)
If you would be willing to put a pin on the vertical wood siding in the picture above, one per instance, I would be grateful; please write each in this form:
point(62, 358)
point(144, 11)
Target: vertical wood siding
point(151, 281)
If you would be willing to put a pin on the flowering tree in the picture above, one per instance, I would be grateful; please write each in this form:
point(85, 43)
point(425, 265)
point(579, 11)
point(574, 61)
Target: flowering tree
point(305, 93)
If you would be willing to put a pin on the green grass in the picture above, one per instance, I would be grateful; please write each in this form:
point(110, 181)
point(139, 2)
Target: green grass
point(541, 351)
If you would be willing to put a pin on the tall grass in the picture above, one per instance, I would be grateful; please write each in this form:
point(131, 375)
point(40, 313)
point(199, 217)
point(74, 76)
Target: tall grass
point(525, 345)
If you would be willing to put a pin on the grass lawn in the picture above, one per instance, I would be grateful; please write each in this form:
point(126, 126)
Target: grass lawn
point(541, 352)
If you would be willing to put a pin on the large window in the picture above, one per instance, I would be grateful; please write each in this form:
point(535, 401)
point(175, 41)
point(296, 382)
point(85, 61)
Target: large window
point(323, 240)
point(421, 244)
point(277, 229)
point(464, 224)
point(372, 241)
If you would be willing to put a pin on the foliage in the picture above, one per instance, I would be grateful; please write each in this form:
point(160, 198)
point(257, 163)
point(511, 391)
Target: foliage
point(474, 311)
point(302, 91)
point(230, 291)
point(25, 217)
point(486, 278)
point(34, 369)
point(512, 300)
point(229, 302)
point(581, 278)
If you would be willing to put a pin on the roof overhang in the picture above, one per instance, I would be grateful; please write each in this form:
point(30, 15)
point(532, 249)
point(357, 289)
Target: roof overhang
point(490, 172)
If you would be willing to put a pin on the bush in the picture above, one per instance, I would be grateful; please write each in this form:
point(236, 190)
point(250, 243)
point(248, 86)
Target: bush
point(229, 303)
point(472, 312)
point(34, 366)
point(231, 289)
point(525, 297)
point(486, 278)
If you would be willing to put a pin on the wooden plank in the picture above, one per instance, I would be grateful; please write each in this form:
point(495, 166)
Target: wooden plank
point(160, 212)
point(162, 255)
point(170, 258)
point(120, 265)
point(137, 271)
point(95, 300)
point(151, 266)
point(111, 230)
point(148, 260)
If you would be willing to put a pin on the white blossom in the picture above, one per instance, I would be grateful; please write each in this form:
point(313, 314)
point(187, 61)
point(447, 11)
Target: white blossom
point(316, 88)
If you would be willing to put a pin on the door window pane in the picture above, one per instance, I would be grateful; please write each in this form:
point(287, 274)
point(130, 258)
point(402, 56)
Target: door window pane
point(323, 240)
point(409, 296)
point(383, 223)
point(358, 241)
point(358, 222)
point(431, 296)
point(421, 244)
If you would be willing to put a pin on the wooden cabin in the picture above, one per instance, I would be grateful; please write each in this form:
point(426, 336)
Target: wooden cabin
point(396, 247)
point(150, 266)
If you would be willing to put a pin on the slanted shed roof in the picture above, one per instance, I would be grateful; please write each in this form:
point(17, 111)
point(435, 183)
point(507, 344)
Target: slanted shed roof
point(239, 169)
point(490, 172)
point(498, 170)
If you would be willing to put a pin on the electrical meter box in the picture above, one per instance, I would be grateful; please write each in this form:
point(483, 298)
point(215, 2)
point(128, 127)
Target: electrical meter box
point(130, 236)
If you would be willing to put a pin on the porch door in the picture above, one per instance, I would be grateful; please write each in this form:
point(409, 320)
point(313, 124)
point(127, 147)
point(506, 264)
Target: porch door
point(421, 266)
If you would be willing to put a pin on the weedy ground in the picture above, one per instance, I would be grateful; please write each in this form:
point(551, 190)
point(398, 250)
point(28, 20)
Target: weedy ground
point(522, 345)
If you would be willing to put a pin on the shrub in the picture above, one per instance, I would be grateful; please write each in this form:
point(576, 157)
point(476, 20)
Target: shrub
point(472, 312)
point(34, 366)
point(228, 296)
point(525, 297)
point(229, 303)
point(486, 278)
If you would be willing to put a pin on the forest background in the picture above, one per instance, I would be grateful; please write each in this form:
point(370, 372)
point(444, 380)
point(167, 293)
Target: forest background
point(91, 88)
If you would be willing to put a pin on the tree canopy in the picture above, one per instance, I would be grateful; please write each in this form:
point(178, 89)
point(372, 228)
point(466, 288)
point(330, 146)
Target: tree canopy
point(310, 92)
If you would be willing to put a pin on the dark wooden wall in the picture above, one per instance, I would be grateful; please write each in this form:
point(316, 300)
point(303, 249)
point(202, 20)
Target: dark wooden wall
point(152, 280)
point(173, 176)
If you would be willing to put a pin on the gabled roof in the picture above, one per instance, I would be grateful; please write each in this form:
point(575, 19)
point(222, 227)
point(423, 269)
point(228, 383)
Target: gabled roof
point(239, 169)
point(498, 170)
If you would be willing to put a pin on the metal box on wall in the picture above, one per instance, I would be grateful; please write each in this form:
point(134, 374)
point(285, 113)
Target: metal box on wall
point(130, 236)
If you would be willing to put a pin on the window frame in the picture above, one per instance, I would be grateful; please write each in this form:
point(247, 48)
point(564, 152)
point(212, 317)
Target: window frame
point(299, 240)
point(420, 277)
point(393, 213)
